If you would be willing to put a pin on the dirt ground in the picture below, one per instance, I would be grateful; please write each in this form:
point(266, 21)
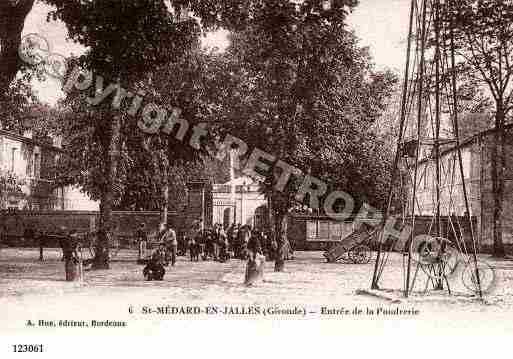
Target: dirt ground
point(309, 288)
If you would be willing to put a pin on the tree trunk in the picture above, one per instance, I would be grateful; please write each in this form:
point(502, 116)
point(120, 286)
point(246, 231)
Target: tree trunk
point(165, 184)
point(101, 259)
point(12, 19)
point(270, 221)
point(165, 202)
point(498, 162)
point(281, 238)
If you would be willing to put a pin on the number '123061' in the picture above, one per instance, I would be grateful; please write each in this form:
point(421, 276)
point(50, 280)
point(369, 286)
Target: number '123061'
point(24, 348)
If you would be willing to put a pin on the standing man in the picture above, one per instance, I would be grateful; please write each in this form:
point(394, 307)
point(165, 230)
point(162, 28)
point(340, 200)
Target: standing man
point(142, 239)
point(171, 244)
point(254, 246)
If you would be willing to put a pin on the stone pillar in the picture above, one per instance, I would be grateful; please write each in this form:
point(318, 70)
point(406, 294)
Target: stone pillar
point(199, 203)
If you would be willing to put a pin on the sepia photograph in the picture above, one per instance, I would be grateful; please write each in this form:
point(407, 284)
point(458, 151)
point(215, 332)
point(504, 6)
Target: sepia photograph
point(241, 178)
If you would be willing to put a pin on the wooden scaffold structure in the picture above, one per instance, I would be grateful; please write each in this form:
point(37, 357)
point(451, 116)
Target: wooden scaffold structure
point(429, 102)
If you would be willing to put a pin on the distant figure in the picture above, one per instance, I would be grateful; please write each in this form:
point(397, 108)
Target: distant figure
point(273, 247)
point(256, 261)
point(209, 244)
point(199, 238)
point(155, 270)
point(244, 234)
point(264, 242)
point(63, 241)
point(171, 245)
point(193, 250)
point(254, 245)
point(71, 256)
point(41, 240)
point(223, 245)
point(254, 270)
point(142, 240)
point(231, 237)
point(182, 245)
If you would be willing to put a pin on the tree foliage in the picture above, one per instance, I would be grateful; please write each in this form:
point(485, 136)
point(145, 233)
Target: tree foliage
point(298, 86)
point(482, 36)
point(12, 18)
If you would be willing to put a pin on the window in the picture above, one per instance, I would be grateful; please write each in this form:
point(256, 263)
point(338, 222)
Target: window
point(13, 159)
point(466, 159)
point(30, 164)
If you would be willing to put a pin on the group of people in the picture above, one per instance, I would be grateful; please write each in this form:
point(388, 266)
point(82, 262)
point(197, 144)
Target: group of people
point(217, 243)
point(235, 241)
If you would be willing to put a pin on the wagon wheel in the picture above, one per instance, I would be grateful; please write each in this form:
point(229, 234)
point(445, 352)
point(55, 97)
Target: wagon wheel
point(346, 257)
point(360, 254)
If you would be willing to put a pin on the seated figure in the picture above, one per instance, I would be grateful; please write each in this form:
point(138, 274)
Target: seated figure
point(155, 270)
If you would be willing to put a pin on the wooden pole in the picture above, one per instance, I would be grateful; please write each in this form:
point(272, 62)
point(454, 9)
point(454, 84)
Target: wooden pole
point(395, 170)
point(439, 284)
point(420, 78)
point(460, 161)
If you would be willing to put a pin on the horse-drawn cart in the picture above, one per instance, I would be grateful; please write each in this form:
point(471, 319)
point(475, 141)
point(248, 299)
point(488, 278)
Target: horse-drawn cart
point(355, 248)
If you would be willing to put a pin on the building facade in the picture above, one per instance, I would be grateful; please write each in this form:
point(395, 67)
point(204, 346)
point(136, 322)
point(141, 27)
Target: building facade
point(239, 201)
point(25, 165)
point(476, 158)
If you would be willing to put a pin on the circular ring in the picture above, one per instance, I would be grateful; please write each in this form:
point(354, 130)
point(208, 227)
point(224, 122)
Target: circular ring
point(436, 251)
point(487, 277)
point(360, 254)
point(56, 66)
point(33, 49)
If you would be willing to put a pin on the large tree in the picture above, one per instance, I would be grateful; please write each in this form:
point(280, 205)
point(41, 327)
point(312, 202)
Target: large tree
point(298, 86)
point(124, 41)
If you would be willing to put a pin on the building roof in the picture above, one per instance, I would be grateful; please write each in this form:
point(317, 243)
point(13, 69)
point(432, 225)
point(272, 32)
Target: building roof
point(469, 140)
point(240, 181)
point(20, 138)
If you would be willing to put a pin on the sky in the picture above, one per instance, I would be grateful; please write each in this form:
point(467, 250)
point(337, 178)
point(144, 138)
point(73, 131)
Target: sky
point(380, 24)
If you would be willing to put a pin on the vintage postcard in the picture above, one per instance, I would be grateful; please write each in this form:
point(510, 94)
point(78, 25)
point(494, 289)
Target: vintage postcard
point(244, 177)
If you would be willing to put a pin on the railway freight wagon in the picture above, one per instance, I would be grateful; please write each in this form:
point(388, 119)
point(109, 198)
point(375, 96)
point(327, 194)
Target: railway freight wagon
point(310, 232)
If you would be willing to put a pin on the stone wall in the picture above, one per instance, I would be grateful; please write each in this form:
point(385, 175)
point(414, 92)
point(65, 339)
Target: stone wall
point(14, 224)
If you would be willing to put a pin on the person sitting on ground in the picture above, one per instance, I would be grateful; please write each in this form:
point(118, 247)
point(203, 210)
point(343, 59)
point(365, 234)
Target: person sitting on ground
point(155, 270)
